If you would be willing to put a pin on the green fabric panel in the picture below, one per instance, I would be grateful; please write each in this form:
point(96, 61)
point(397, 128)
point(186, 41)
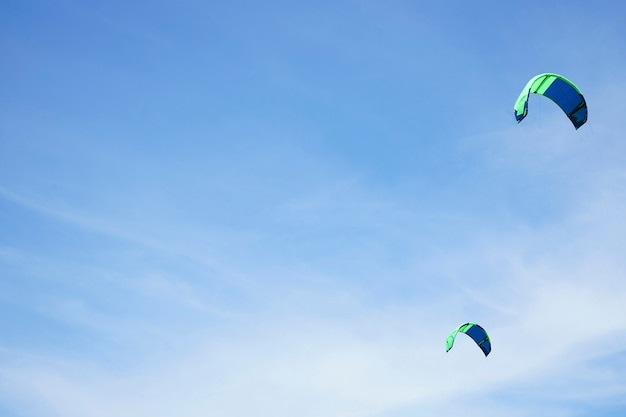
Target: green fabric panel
point(466, 326)
point(523, 97)
point(450, 339)
point(462, 328)
point(542, 84)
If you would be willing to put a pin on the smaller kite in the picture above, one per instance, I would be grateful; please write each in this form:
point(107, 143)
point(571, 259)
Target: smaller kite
point(558, 89)
point(473, 330)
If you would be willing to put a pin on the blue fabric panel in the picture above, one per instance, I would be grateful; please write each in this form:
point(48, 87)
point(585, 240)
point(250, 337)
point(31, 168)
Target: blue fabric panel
point(564, 95)
point(486, 347)
point(476, 333)
point(479, 335)
point(569, 100)
point(579, 117)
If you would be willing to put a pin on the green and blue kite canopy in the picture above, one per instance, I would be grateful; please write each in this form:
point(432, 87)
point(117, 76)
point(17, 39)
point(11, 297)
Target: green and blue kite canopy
point(473, 330)
point(558, 89)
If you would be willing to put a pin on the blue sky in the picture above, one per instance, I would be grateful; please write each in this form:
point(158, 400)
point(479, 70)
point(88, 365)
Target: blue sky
point(275, 209)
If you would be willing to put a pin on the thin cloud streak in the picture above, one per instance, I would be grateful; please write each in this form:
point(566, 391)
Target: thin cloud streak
point(540, 343)
point(275, 210)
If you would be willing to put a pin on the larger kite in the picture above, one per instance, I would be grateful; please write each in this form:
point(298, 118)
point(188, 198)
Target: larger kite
point(473, 330)
point(558, 89)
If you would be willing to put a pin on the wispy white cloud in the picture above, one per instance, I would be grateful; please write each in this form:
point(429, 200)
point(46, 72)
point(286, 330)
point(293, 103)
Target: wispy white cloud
point(377, 361)
point(266, 271)
point(550, 298)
